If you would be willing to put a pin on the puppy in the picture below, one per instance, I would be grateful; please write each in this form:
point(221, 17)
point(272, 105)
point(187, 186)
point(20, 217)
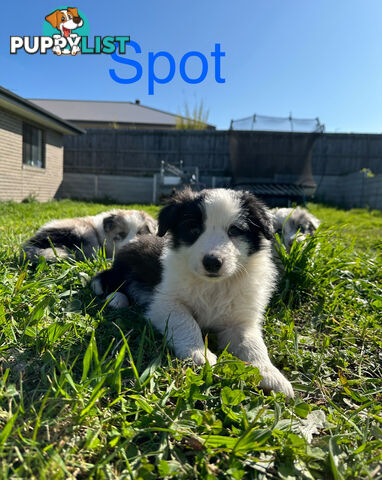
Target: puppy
point(210, 268)
point(82, 237)
point(65, 21)
point(293, 224)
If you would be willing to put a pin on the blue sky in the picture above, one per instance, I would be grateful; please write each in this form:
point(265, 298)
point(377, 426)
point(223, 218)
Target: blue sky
point(312, 58)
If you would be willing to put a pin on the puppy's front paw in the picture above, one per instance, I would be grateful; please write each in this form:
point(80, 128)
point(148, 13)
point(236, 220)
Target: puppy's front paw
point(274, 380)
point(96, 286)
point(117, 300)
point(199, 357)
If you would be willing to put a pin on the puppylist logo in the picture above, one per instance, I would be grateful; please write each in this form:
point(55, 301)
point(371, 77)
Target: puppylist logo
point(66, 32)
point(65, 21)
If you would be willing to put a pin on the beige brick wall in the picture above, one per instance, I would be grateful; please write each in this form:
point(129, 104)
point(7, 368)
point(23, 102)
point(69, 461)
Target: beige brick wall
point(18, 181)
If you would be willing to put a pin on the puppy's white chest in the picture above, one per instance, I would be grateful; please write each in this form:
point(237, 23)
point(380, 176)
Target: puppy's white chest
point(214, 306)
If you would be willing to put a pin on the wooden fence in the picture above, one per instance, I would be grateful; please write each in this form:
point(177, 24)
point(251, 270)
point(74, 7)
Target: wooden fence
point(344, 153)
point(140, 152)
point(111, 160)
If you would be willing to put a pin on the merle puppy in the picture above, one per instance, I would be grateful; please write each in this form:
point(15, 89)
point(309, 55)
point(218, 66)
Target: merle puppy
point(294, 224)
point(210, 268)
point(81, 237)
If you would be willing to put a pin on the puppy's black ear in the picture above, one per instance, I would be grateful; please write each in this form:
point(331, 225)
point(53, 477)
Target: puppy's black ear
point(169, 215)
point(167, 218)
point(259, 215)
point(109, 223)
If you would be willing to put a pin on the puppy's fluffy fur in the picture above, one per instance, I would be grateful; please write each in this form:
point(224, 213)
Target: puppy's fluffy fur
point(293, 224)
point(210, 268)
point(82, 236)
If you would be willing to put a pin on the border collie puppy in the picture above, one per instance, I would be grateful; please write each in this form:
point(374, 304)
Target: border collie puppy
point(79, 237)
point(209, 268)
point(293, 224)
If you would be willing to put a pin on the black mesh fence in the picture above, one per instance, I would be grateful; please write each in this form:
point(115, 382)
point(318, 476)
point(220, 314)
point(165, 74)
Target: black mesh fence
point(268, 159)
point(277, 124)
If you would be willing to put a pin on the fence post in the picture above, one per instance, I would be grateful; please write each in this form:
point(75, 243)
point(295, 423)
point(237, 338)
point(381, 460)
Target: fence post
point(155, 188)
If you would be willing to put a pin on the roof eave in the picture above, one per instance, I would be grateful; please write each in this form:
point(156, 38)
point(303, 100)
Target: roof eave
point(21, 107)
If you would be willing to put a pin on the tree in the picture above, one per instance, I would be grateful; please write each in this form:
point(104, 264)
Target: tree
point(193, 120)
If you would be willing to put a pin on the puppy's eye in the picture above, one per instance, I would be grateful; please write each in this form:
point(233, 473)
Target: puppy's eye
point(70, 17)
point(143, 230)
point(194, 231)
point(301, 228)
point(189, 230)
point(235, 231)
point(62, 19)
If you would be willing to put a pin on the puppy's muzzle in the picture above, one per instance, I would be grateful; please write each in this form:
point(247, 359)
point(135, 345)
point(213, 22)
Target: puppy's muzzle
point(212, 263)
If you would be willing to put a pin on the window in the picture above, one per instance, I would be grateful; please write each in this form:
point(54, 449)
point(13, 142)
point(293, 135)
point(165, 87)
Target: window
point(33, 146)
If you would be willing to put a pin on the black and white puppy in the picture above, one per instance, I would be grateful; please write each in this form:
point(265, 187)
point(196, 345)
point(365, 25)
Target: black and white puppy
point(82, 237)
point(209, 268)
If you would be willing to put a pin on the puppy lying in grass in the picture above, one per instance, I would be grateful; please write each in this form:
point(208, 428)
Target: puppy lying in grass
point(210, 267)
point(82, 237)
point(293, 224)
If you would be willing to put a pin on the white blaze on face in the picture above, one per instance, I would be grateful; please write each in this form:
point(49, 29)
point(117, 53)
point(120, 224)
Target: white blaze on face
point(133, 222)
point(68, 24)
point(221, 209)
point(127, 232)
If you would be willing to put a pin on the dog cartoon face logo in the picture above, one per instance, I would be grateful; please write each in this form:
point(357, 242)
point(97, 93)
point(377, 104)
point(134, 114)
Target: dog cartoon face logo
point(65, 21)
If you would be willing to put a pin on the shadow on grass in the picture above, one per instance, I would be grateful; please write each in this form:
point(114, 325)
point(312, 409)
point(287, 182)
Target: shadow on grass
point(50, 316)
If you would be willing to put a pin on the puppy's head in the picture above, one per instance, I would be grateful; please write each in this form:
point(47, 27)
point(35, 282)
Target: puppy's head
point(121, 226)
point(216, 231)
point(294, 224)
point(65, 20)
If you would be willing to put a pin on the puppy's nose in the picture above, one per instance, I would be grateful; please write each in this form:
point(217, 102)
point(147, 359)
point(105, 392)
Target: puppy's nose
point(212, 263)
point(77, 20)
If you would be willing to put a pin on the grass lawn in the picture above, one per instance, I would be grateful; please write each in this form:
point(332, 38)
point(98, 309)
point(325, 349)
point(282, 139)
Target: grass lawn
point(90, 393)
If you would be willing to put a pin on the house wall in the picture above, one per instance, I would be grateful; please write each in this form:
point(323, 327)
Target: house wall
point(18, 181)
